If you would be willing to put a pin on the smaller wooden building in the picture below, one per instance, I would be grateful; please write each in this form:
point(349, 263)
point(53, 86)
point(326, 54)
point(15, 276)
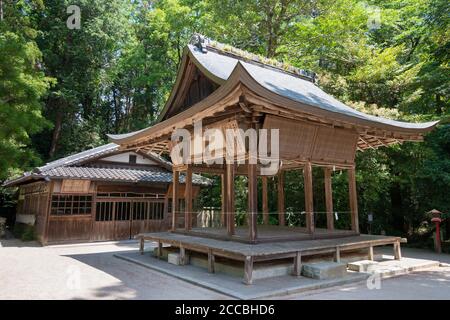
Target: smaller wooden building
point(100, 194)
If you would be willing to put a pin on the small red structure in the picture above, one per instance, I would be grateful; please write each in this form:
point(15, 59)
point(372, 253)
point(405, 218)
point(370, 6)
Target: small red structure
point(436, 218)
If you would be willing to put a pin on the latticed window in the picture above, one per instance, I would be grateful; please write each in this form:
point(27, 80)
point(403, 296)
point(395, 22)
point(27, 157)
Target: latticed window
point(71, 204)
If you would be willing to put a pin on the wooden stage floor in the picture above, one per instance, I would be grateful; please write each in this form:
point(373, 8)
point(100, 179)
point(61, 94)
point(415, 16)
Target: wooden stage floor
point(267, 251)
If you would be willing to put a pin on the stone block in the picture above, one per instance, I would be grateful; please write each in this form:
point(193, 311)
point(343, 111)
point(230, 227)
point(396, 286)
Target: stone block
point(362, 266)
point(173, 258)
point(324, 270)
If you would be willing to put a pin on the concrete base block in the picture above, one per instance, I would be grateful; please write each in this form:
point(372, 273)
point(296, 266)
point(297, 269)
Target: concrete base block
point(174, 258)
point(324, 270)
point(362, 266)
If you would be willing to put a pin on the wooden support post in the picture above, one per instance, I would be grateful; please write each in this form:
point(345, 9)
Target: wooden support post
point(248, 270)
point(329, 198)
point(211, 262)
point(309, 200)
point(265, 200)
point(370, 253)
point(230, 198)
point(160, 246)
point(223, 217)
point(281, 205)
point(141, 245)
point(397, 251)
point(175, 187)
point(337, 256)
point(252, 202)
point(353, 198)
point(188, 199)
point(297, 264)
point(182, 256)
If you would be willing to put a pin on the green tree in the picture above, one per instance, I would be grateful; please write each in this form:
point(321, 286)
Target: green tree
point(22, 85)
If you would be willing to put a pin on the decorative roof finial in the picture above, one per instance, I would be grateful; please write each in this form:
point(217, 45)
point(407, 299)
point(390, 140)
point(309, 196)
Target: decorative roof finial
point(199, 41)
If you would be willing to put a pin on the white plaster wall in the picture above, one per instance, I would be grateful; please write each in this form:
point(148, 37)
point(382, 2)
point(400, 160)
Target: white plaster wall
point(26, 218)
point(124, 158)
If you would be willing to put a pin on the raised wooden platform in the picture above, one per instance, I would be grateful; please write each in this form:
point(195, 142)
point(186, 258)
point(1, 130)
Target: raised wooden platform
point(250, 253)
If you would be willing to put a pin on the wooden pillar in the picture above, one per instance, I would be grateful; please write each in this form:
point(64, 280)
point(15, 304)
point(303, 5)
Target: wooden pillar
point(337, 255)
point(248, 270)
point(297, 271)
point(183, 260)
point(370, 255)
point(252, 202)
point(223, 217)
point(281, 206)
point(211, 262)
point(175, 187)
point(188, 199)
point(141, 245)
point(397, 251)
point(309, 206)
point(353, 198)
point(159, 252)
point(265, 200)
point(230, 198)
point(329, 198)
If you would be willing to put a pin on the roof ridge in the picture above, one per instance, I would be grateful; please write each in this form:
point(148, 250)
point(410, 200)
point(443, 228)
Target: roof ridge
point(78, 157)
point(204, 43)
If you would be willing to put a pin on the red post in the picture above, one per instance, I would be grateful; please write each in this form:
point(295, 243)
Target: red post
point(436, 218)
point(437, 240)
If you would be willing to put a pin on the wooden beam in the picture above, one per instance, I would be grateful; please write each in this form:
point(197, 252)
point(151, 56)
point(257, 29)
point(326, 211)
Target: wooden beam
point(309, 200)
point(281, 205)
point(175, 189)
point(329, 198)
point(188, 199)
point(230, 198)
point(353, 198)
point(265, 200)
point(252, 201)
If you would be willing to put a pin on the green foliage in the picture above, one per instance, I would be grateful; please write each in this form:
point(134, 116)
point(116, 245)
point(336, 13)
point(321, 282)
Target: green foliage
point(24, 232)
point(115, 73)
point(22, 85)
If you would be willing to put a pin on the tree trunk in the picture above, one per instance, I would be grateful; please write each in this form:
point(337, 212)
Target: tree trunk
point(56, 133)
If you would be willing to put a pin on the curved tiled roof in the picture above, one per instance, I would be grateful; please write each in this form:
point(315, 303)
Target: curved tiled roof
point(288, 85)
point(70, 168)
point(300, 93)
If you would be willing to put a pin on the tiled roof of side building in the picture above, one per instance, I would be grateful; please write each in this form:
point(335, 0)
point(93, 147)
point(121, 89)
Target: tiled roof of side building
point(70, 168)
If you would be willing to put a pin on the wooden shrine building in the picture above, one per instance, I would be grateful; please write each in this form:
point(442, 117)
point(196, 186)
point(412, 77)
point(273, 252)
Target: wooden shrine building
point(227, 88)
point(98, 194)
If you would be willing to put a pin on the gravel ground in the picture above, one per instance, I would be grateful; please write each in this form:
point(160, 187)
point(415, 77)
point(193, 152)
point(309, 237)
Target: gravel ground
point(89, 271)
